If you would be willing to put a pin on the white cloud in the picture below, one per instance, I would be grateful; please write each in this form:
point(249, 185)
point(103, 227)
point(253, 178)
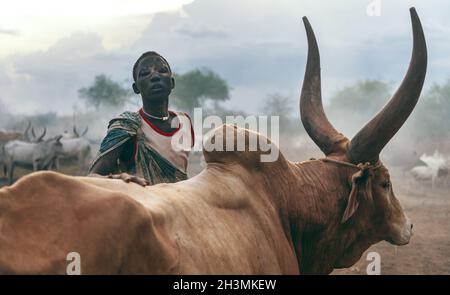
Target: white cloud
point(258, 46)
point(43, 22)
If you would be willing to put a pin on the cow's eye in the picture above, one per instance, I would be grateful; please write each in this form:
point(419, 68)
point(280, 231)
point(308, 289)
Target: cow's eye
point(386, 185)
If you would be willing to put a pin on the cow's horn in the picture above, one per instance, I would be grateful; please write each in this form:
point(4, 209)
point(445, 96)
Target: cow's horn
point(85, 131)
point(370, 140)
point(75, 131)
point(32, 133)
point(25, 134)
point(311, 109)
point(42, 135)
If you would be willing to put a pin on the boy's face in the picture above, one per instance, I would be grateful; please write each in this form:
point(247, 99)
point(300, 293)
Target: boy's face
point(153, 78)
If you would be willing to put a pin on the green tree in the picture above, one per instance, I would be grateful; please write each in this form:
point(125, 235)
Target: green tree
point(105, 92)
point(195, 87)
point(365, 97)
point(432, 114)
point(282, 106)
point(350, 108)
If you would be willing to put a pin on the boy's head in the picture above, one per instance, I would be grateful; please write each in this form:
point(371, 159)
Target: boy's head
point(145, 55)
point(152, 76)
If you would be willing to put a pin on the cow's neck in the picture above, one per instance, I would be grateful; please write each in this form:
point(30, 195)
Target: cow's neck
point(317, 195)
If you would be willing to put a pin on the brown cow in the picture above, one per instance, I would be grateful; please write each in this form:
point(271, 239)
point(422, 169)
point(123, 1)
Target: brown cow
point(238, 216)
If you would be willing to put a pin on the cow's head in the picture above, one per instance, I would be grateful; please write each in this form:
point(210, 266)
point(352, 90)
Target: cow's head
point(370, 211)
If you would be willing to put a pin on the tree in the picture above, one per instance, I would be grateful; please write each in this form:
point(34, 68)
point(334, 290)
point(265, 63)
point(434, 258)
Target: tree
point(432, 114)
point(105, 92)
point(350, 108)
point(281, 106)
point(365, 97)
point(193, 88)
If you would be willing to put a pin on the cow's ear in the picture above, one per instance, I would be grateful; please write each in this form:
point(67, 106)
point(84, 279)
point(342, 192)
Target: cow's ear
point(357, 181)
point(352, 205)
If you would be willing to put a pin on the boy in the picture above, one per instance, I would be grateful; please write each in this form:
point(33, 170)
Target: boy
point(142, 143)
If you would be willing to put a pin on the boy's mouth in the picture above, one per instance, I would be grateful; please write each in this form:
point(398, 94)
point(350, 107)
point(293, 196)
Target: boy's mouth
point(156, 88)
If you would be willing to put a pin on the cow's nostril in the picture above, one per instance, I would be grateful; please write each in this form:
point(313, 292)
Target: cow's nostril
point(412, 225)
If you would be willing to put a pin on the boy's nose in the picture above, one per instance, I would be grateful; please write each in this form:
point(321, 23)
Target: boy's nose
point(155, 78)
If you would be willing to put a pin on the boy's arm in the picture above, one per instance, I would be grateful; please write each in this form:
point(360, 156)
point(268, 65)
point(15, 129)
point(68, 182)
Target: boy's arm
point(107, 163)
point(105, 166)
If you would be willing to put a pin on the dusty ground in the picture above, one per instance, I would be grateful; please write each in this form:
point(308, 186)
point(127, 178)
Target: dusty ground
point(429, 249)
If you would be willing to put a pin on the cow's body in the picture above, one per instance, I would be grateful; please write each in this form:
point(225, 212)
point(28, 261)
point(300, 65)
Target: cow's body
point(191, 226)
point(241, 215)
point(6, 137)
point(35, 155)
point(436, 167)
point(77, 149)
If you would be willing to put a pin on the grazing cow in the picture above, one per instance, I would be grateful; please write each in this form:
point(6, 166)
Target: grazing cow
point(36, 155)
point(240, 215)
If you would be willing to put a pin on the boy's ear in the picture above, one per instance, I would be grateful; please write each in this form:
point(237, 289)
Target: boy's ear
point(173, 83)
point(135, 89)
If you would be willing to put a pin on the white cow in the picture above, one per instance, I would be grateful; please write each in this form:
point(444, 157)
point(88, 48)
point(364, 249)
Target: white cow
point(436, 166)
point(76, 148)
point(36, 155)
point(74, 134)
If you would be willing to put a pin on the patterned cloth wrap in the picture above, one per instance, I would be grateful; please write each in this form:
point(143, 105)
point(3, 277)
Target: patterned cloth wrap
point(148, 163)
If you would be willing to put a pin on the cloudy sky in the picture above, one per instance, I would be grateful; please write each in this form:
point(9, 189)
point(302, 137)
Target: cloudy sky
point(51, 48)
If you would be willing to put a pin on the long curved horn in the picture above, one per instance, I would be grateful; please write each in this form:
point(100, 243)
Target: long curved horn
point(85, 131)
point(311, 109)
point(75, 131)
point(33, 133)
point(371, 139)
point(42, 135)
point(26, 136)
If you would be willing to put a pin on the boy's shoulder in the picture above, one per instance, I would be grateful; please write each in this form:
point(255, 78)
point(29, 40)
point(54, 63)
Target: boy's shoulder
point(125, 119)
point(127, 115)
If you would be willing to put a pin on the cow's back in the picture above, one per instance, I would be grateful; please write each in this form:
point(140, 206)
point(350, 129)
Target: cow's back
point(224, 227)
point(191, 227)
point(46, 215)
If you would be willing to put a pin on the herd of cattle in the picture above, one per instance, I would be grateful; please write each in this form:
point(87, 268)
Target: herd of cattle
point(27, 150)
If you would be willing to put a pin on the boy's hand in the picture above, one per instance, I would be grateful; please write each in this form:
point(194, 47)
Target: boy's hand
point(125, 177)
point(130, 178)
